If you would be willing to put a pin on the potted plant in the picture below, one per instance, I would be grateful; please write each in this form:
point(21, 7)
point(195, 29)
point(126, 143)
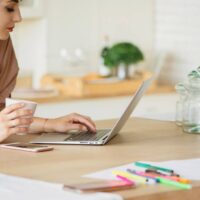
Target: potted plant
point(121, 56)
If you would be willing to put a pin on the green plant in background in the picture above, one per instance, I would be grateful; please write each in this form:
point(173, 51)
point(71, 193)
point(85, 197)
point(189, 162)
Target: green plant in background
point(121, 53)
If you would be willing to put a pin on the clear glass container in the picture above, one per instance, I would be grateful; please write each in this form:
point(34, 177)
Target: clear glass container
point(180, 89)
point(191, 107)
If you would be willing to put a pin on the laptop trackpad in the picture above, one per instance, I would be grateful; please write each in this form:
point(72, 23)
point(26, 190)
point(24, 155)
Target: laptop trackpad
point(53, 137)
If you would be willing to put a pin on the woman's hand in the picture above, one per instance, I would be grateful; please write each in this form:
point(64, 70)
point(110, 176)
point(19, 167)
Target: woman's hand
point(11, 118)
point(70, 122)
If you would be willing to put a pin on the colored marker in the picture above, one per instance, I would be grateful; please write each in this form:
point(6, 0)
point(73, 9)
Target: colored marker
point(125, 179)
point(150, 179)
point(174, 177)
point(130, 176)
point(161, 172)
point(144, 174)
point(179, 179)
point(154, 176)
point(145, 165)
point(174, 183)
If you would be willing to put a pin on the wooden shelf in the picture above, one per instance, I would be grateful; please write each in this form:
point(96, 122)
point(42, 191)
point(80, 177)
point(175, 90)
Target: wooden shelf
point(91, 86)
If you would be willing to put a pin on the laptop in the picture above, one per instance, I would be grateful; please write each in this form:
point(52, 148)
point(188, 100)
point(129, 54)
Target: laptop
point(102, 136)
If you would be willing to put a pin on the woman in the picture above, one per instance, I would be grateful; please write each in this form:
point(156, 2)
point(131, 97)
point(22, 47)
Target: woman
point(12, 117)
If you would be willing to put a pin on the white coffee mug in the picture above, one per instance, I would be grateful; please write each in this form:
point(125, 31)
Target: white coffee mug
point(28, 105)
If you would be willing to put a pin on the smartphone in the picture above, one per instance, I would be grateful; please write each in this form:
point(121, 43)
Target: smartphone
point(27, 147)
point(104, 186)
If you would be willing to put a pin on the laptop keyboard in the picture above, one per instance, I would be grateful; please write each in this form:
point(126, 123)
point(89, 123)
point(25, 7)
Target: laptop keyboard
point(88, 136)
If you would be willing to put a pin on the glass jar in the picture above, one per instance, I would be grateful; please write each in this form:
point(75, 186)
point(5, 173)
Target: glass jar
point(191, 108)
point(180, 89)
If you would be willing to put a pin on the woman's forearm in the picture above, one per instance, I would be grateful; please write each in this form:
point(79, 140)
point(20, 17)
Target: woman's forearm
point(63, 124)
point(38, 125)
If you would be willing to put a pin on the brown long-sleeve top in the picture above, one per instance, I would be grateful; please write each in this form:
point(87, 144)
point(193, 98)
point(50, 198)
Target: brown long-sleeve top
point(8, 70)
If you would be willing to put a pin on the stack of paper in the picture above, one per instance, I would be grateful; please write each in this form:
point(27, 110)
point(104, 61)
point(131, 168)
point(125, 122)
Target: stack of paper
point(13, 188)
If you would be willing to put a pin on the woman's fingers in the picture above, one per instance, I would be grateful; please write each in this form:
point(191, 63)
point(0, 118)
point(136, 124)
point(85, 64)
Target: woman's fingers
point(14, 119)
point(12, 108)
point(90, 120)
point(17, 130)
point(78, 127)
point(19, 113)
point(20, 122)
point(84, 121)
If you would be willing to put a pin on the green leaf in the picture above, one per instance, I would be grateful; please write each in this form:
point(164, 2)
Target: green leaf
point(121, 53)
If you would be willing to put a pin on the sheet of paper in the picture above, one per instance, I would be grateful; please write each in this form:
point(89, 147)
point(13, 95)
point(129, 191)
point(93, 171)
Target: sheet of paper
point(14, 188)
point(186, 168)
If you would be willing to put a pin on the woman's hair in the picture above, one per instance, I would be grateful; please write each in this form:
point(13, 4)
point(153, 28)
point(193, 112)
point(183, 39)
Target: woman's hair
point(16, 1)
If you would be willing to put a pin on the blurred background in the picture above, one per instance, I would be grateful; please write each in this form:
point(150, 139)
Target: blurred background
point(65, 38)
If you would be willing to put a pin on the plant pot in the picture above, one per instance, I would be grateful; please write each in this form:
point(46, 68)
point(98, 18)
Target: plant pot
point(114, 71)
point(123, 72)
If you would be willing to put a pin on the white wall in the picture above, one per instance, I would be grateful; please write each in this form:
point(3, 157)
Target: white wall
point(172, 27)
point(30, 44)
point(77, 23)
point(178, 35)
